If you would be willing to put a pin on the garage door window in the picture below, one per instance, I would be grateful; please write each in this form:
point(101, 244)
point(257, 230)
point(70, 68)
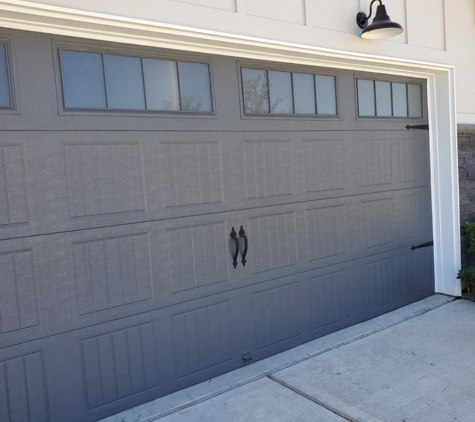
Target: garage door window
point(5, 86)
point(389, 99)
point(291, 93)
point(116, 82)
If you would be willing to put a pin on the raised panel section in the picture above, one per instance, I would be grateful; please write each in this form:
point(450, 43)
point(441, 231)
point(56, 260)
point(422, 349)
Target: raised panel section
point(413, 160)
point(112, 272)
point(377, 222)
point(381, 281)
point(323, 165)
point(229, 5)
point(202, 338)
point(327, 232)
point(277, 315)
point(376, 163)
point(23, 392)
point(104, 178)
point(13, 204)
point(268, 168)
point(330, 301)
point(120, 364)
point(418, 271)
point(281, 10)
point(191, 173)
point(273, 239)
point(196, 256)
point(18, 302)
point(414, 215)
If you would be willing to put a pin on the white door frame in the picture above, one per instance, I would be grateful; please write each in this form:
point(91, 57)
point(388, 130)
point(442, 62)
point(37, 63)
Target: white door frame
point(440, 79)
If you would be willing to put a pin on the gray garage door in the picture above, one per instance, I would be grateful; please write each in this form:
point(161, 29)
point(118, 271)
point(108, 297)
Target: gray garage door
point(123, 172)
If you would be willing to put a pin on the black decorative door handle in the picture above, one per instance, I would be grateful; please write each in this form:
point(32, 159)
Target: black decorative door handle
point(233, 235)
point(242, 233)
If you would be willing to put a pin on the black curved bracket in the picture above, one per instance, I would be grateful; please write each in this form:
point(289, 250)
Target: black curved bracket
point(362, 19)
point(242, 234)
point(233, 235)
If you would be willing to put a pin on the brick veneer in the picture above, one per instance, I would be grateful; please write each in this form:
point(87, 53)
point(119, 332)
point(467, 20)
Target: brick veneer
point(466, 152)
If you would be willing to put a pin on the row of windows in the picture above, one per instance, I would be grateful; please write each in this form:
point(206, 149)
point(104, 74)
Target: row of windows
point(275, 92)
point(107, 81)
point(389, 99)
point(100, 81)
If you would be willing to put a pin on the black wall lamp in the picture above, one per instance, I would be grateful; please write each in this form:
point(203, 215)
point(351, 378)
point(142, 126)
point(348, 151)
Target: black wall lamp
point(382, 26)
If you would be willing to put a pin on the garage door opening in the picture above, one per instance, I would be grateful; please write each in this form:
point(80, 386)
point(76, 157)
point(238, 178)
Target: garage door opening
point(126, 170)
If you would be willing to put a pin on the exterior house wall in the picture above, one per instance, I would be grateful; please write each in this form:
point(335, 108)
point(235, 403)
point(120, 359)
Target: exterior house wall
point(436, 31)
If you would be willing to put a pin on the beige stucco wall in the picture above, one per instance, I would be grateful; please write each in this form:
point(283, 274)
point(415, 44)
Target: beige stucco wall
point(441, 31)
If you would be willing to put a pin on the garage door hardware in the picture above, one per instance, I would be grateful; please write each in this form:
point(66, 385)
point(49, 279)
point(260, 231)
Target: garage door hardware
point(422, 245)
point(420, 127)
point(233, 235)
point(246, 356)
point(242, 234)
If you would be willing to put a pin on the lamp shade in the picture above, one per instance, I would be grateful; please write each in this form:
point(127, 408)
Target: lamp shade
point(382, 26)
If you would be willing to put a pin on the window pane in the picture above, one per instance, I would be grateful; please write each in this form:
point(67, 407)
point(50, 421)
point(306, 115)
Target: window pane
point(326, 94)
point(161, 84)
point(304, 93)
point(414, 93)
point(83, 79)
point(280, 91)
point(255, 89)
point(366, 98)
point(5, 100)
point(383, 99)
point(124, 82)
point(399, 100)
point(195, 87)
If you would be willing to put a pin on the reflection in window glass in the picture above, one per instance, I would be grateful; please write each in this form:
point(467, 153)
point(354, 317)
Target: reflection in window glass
point(304, 93)
point(5, 97)
point(326, 94)
point(195, 86)
point(383, 99)
point(124, 82)
point(399, 100)
point(106, 81)
point(255, 90)
point(280, 92)
point(83, 79)
point(366, 98)
point(161, 84)
point(414, 94)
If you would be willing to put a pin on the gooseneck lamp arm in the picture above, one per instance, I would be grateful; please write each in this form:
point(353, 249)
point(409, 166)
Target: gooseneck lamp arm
point(362, 19)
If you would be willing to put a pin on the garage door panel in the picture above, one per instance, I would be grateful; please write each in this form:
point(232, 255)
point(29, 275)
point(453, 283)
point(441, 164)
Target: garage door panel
point(389, 160)
point(303, 236)
point(277, 315)
point(96, 180)
point(23, 389)
point(124, 178)
point(418, 272)
point(66, 281)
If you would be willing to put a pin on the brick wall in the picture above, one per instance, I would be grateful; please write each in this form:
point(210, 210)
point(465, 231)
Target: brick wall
point(466, 143)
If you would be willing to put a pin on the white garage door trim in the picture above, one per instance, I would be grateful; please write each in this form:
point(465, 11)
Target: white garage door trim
point(440, 86)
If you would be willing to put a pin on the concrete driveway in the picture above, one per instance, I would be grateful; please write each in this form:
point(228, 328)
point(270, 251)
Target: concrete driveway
point(412, 365)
